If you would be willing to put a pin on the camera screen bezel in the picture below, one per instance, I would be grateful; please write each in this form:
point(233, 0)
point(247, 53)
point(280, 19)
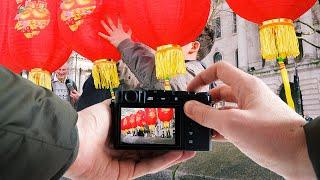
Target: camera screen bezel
point(178, 128)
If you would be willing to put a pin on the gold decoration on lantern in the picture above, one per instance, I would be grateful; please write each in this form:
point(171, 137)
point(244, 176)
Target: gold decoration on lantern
point(32, 17)
point(74, 11)
point(19, 1)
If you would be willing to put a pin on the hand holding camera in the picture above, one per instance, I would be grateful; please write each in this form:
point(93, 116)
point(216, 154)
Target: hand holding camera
point(262, 126)
point(97, 158)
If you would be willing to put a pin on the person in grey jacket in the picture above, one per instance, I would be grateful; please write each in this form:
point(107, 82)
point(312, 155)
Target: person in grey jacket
point(141, 61)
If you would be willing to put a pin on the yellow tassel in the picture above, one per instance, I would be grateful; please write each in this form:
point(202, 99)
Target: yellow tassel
point(278, 39)
point(166, 124)
point(105, 74)
point(169, 61)
point(152, 127)
point(285, 79)
point(40, 77)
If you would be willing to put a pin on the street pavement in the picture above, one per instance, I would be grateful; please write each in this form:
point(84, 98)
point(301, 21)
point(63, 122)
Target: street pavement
point(224, 162)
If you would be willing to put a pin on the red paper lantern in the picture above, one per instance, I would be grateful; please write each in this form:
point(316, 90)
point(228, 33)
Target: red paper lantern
point(162, 22)
point(86, 40)
point(151, 116)
point(41, 50)
point(166, 25)
point(89, 44)
point(259, 11)
point(4, 52)
point(277, 32)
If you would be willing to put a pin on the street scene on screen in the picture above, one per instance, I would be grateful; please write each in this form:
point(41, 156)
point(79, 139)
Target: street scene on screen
point(148, 126)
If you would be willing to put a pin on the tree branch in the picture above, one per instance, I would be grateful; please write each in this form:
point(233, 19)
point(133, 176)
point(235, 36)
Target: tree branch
point(312, 44)
point(308, 25)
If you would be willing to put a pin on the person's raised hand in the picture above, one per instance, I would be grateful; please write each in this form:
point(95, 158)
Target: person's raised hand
point(262, 126)
point(114, 34)
point(97, 159)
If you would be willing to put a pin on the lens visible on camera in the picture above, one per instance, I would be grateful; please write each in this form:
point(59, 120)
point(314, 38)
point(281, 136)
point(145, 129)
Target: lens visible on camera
point(131, 96)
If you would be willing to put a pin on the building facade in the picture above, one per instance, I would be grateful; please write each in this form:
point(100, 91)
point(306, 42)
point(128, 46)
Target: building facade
point(237, 42)
point(79, 69)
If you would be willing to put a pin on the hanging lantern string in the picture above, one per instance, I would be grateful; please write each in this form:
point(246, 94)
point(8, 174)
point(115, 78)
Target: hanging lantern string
point(286, 83)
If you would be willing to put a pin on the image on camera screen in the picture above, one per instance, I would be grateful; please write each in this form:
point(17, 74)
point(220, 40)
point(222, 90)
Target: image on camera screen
point(148, 126)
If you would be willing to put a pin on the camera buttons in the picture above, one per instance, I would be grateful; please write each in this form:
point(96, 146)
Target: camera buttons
point(190, 133)
point(190, 141)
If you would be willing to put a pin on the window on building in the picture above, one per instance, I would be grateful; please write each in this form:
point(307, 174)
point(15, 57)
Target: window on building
point(236, 57)
point(217, 57)
point(217, 27)
point(234, 23)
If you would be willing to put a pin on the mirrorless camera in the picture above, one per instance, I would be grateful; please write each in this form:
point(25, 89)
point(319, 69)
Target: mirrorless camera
point(155, 120)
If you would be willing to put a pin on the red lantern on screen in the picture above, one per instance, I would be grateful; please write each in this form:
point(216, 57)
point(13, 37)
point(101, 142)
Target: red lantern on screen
point(89, 44)
point(125, 126)
point(41, 50)
point(165, 115)
point(277, 32)
point(122, 126)
point(140, 119)
point(151, 117)
point(132, 121)
point(166, 25)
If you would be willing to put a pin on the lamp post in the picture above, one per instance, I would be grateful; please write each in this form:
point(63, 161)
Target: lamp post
point(76, 67)
point(297, 93)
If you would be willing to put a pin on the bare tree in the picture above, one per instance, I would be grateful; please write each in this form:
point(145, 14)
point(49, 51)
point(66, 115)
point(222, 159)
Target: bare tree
point(315, 27)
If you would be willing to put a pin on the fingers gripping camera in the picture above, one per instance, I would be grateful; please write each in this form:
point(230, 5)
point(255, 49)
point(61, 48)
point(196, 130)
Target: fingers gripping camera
point(155, 120)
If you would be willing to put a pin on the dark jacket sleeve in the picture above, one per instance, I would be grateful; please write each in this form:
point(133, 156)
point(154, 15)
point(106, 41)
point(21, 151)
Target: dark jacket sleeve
point(141, 63)
point(312, 131)
point(38, 134)
point(91, 96)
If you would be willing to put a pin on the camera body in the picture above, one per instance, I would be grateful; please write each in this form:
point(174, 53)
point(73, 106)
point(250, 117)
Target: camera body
point(155, 120)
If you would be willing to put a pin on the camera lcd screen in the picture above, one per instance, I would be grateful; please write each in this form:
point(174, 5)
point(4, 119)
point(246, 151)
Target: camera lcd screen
point(148, 126)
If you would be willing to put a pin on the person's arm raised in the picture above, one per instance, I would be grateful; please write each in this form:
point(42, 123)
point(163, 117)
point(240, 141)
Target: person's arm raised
point(136, 56)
